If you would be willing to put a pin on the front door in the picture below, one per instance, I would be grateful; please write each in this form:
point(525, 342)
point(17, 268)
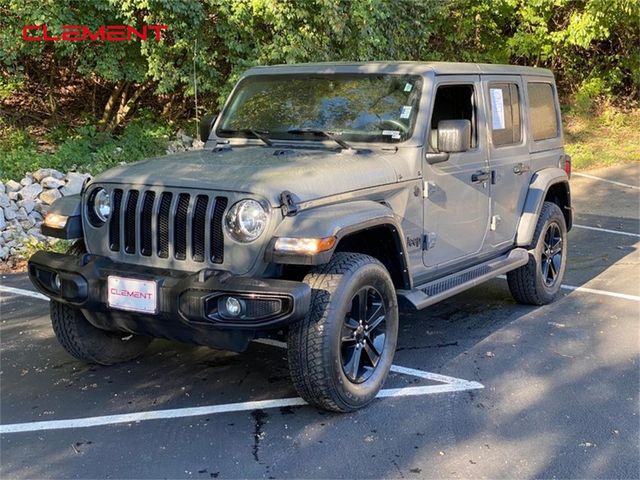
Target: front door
point(457, 202)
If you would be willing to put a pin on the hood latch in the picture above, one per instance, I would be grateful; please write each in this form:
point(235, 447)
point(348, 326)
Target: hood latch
point(288, 204)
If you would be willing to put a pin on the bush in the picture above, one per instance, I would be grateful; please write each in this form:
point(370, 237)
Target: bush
point(85, 149)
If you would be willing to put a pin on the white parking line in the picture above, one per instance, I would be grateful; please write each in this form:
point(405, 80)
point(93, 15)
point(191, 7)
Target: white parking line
point(606, 230)
point(606, 293)
point(593, 177)
point(23, 292)
point(457, 386)
point(447, 385)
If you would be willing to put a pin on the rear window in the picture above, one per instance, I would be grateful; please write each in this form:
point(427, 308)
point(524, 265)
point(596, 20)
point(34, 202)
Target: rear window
point(542, 111)
point(505, 114)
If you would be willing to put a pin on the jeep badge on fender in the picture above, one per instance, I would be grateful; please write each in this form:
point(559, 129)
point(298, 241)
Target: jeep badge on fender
point(325, 193)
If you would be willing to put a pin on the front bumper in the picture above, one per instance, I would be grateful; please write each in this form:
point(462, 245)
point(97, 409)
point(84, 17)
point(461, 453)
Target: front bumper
point(187, 304)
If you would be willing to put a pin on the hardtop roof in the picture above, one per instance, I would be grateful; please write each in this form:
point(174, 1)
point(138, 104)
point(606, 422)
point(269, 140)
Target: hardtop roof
point(418, 68)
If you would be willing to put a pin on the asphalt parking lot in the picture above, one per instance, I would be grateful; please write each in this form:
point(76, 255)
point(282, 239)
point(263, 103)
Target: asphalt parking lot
point(560, 392)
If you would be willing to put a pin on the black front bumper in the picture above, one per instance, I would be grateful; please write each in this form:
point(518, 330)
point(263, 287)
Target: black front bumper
point(187, 304)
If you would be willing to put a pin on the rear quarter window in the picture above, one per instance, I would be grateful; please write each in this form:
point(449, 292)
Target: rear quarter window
point(542, 111)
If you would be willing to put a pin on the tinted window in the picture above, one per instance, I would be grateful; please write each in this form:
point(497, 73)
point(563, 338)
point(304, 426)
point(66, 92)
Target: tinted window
point(544, 121)
point(504, 116)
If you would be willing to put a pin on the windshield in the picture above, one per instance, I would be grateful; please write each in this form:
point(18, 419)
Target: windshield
point(353, 107)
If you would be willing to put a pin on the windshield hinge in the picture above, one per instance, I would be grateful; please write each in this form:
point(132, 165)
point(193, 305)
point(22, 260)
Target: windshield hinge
point(288, 204)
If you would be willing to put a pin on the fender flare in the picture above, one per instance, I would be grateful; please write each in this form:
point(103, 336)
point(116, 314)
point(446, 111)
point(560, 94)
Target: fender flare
point(70, 207)
point(338, 220)
point(540, 183)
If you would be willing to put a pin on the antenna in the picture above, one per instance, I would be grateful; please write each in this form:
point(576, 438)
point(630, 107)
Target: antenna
point(195, 81)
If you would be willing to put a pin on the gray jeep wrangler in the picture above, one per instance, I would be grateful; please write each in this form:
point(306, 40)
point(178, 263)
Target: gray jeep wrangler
point(325, 194)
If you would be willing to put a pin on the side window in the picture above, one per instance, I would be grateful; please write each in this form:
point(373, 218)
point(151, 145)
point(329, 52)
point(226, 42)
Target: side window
point(453, 102)
point(542, 111)
point(504, 115)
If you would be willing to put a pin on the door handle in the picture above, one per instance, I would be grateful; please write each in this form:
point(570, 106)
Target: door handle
point(520, 168)
point(480, 176)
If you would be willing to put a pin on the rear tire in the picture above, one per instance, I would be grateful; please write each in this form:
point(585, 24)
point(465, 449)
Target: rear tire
point(86, 342)
point(341, 352)
point(538, 282)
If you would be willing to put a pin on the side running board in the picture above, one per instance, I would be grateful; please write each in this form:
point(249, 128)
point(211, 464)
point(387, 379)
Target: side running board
point(432, 292)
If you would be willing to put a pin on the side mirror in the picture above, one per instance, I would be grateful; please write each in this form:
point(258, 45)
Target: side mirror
point(206, 124)
point(454, 136)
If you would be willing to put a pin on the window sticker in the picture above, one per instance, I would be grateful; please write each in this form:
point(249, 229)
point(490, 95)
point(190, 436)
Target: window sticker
point(408, 87)
point(405, 112)
point(395, 134)
point(497, 109)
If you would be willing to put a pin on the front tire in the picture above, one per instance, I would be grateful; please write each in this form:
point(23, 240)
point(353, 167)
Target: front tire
point(86, 342)
point(341, 352)
point(91, 344)
point(539, 281)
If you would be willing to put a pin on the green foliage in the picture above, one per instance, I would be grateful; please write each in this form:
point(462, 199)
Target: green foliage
point(609, 137)
point(85, 149)
point(54, 88)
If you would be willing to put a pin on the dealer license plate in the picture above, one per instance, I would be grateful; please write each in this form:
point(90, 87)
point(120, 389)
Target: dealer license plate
point(132, 295)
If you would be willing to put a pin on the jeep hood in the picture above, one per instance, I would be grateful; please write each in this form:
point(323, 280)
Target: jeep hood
point(307, 173)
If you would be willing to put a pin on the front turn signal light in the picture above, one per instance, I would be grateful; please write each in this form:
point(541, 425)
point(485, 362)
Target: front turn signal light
point(55, 220)
point(304, 246)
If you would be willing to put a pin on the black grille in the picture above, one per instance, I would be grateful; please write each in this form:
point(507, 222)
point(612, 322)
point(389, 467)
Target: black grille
point(114, 224)
point(216, 236)
point(168, 224)
point(146, 214)
point(199, 222)
point(180, 228)
point(163, 225)
point(130, 222)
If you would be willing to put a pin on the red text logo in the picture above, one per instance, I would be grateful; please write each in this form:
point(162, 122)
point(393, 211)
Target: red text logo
point(82, 33)
point(130, 293)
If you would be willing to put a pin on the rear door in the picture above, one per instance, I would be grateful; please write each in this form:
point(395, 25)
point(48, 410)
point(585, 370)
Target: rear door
point(456, 203)
point(508, 155)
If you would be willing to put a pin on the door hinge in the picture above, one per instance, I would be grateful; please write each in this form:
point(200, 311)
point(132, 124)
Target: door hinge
point(495, 221)
point(429, 240)
point(429, 189)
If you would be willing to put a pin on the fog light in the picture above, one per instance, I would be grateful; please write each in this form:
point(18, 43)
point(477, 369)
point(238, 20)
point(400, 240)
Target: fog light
point(55, 281)
point(233, 306)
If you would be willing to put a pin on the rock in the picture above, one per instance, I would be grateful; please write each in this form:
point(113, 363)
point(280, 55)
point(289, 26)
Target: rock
point(42, 173)
point(3, 222)
point(51, 182)
point(28, 223)
point(30, 192)
point(4, 200)
point(197, 145)
point(13, 196)
point(26, 181)
point(36, 216)
point(4, 253)
point(21, 214)
point(9, 213)
point(37, 234)
point(50, 196)
point(28, 205)
point(12, 186)
point(74, 183)
point(2, 188)
point(7, 235)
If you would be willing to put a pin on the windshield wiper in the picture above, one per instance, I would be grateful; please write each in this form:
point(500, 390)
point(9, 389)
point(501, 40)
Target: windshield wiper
point(323, 133)
point(259, 134)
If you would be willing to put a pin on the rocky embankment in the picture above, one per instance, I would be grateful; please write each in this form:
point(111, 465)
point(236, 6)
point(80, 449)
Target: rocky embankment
point(24, 203)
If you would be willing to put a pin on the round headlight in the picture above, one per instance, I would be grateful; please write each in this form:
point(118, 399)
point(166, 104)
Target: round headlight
point(246, 221)
point(102, 204)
